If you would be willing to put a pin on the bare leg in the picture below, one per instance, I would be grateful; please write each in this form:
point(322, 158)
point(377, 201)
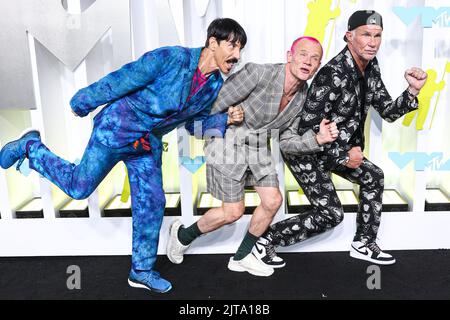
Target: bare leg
point(271, 201)
point(215, 218)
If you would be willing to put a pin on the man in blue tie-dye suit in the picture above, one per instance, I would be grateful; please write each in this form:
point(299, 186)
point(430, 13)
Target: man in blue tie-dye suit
point(144, 100)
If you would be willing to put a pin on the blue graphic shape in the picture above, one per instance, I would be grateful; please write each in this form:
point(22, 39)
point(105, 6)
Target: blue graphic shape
point(402, 160)
point(193, 165)
point(428, 15)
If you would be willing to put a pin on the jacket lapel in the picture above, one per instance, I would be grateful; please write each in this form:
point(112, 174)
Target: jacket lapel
point(294, 107)
point(276, 94)
point(206, 95)
point(353, 85)
point(188, 77)
point(291, 110)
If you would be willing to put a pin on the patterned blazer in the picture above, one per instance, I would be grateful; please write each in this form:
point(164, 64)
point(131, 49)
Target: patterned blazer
point(150, 96)
point(334, 94)
point(258, 89)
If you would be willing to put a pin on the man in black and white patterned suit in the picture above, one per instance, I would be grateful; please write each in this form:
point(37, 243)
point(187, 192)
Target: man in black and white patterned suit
point(343, 91)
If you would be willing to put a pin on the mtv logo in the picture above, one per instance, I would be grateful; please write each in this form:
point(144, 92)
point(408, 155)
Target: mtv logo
point(69, 37)
point(423, 161)
point(428, 15)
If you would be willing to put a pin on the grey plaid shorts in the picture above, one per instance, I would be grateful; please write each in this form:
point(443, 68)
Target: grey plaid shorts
point(228, 190)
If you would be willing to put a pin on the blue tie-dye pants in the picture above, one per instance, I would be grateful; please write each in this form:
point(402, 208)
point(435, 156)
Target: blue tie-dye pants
point(144, 170)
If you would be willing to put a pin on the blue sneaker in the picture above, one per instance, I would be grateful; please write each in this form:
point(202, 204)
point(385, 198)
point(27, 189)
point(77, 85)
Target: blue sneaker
point(16, 150)
point(150, 280)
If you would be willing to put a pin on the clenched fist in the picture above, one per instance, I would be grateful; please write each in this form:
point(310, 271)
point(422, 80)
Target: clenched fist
point(356, 157)
point(416, 78)
point(328, 132)
point(235, 115)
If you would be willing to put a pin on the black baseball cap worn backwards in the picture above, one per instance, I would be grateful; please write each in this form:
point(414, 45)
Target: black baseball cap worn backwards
point(362, 18)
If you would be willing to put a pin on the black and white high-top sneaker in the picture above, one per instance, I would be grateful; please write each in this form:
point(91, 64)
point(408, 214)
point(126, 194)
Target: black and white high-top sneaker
point(370, 251)
point(265, 252)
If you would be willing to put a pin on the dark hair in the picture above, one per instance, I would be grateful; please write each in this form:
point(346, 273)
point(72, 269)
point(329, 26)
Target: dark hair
point(226, 29)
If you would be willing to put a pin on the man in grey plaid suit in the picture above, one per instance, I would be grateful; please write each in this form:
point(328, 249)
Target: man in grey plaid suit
point(271, 96)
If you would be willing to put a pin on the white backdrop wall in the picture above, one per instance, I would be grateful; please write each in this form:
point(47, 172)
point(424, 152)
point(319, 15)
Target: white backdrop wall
point(271, 26)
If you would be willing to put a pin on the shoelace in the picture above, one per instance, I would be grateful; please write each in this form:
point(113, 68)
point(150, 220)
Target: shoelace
point(270, 250)
point(374, 247)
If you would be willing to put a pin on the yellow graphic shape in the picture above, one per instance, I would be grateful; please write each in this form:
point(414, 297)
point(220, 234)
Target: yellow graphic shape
point(320, 14)
point(126, 188)
point(447, 70)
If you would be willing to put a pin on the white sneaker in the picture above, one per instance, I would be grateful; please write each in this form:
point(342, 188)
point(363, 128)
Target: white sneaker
point(251, 265)
point(175, 249)
point(264, 251)
point(370, 252)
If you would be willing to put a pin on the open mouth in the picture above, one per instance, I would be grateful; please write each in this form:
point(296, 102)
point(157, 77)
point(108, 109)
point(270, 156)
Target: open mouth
point(230, 63)
point(304, 70)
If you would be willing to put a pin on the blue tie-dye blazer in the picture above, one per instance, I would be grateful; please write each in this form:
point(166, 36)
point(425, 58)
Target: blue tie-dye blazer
point(149, 95)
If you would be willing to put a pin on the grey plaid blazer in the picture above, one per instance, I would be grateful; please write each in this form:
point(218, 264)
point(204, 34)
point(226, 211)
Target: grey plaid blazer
point(258, 89)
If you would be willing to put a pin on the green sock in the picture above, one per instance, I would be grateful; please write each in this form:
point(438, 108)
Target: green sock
point(246, 246)
point(187, 235)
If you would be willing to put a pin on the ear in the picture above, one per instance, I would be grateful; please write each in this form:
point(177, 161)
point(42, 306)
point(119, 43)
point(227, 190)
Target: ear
point(349, 36)
point(213, 44)
point(289, 56)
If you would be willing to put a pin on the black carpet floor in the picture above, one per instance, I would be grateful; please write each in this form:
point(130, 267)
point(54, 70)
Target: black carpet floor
point(416, 275)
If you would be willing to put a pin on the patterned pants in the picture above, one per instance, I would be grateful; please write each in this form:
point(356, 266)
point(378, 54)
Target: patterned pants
point(327, 212)
point(144, 170)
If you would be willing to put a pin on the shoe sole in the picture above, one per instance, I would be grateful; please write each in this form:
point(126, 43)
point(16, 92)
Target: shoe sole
point(22, 134)
point(279, 266)
point(141, 286)
point(360, 256)
point(27, 131)
point(238, 268)
point(169, 255)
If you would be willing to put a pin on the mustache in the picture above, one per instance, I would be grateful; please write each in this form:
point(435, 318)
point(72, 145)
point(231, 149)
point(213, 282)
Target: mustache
point(234, 60)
